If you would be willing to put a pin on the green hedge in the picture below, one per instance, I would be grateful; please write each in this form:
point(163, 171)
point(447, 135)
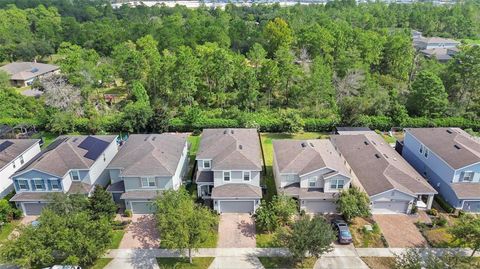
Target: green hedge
point(384, 123)
point(443, 204)
point(15, 121)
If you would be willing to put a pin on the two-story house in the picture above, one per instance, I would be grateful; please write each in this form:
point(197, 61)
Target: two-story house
point(145, 166)
point(229, 163)
point(14, 153)
point(311, 171)
point(71, 164)
point(376, 168)
point(450, 160)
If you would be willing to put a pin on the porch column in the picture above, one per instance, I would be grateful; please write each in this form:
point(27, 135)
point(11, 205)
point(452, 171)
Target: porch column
point(430, 201)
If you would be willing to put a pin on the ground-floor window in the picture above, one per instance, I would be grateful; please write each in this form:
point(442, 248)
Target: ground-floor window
point(206, 190)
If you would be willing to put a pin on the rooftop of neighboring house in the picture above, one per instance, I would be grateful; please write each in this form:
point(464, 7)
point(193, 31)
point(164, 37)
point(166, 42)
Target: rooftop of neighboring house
point(378, 167)
point(305, 156)
point(27, 70)
point(231, 148)
point(10, 149)
point(69, 152)
point(435, 40)
point(352, 130)
point(453, 145)
point(150, 154)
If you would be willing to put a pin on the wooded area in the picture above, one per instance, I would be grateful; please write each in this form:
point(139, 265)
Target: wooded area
point(279, 69)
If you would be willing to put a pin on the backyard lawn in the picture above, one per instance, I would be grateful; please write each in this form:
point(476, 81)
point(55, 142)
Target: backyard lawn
point(47, 138)
point(286, 262)
point(182, 263)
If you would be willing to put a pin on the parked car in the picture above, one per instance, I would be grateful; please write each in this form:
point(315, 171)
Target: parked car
point(64, 267)
point(344, 235)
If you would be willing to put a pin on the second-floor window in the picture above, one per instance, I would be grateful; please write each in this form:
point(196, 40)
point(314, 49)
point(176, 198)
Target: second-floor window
point(468, 176)
point(226, 176)
point(75, 175)
point(207, 164)
point(38, 184)
point(337, 183)
point(312, 182)
point(246, 176)
point(55, 184)
point(22, 184)
point(148, 182)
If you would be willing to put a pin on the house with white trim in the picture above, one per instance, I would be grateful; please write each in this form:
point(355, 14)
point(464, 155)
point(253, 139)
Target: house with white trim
point(450, 160)
point(392, 185)
point(310, 171)
point(145, 166)
point(71, 164)
point(14, 153)
point(229, 167)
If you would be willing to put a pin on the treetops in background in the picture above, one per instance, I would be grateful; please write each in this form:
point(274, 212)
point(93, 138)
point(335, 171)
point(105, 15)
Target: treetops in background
point(178, 68)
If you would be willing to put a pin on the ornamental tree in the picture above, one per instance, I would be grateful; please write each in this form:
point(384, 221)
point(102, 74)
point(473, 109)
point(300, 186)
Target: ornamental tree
point(353, 203)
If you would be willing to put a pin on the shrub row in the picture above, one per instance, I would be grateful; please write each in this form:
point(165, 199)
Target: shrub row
point(265, 123)
point(443, 204)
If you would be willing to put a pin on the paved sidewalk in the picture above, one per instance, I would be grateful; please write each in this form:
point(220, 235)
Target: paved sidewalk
point(245, 262)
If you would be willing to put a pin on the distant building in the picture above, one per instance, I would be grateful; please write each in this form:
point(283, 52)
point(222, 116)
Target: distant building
point(24, 73)
point(438, 48)
point(441, 54)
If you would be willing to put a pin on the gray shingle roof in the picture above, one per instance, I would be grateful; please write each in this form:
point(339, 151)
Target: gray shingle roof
point(116, 187)
point(453, 145)
point(145, 194)
point(31, 196)
point(79, 188)
point(308, 193)
point(150, 154)
point(15, 148)
point(27, 70)
point(465, 190)
point(378, 166)
point(205, 176)
point(236, 190)
point(305, 156)
point(65, 154)
point(231, 149)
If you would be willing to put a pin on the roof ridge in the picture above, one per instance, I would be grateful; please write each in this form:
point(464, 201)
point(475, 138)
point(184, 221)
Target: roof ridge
point(76, 153)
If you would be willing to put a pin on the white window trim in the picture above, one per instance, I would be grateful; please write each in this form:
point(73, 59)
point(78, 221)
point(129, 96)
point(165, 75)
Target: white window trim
point(77, 173)
point(249, 176)
point(25, 183)
point(229, 176)
point(337, 180)
point(209, 164)
point(56, 181)
point(35, 183)
point(148, 180)
point(312, 180)
point(471, 174)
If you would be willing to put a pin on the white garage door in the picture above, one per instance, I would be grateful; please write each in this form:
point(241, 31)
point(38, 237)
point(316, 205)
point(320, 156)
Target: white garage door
point(143, 208)
point(390, 207)
point(236, 206)
point(320, 207)
point(33, 209)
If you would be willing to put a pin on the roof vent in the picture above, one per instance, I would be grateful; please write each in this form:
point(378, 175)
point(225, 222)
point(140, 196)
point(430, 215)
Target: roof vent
point(153, 138)
point(311, 145)
point(385, 155)
point(75, 140)
point(231, 131)
point(225, 132)
point(34, 70)
point(304, 144)
point(449, 131)
point(457, 146)
point(373, 142)
point(366, 142)
point(378, 156)
point(146, 138)
point(240, 147)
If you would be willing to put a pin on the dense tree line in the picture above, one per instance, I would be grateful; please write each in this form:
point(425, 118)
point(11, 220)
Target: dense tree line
point(342, 62)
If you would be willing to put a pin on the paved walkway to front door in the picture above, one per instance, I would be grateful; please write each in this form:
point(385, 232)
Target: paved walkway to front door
point(236, 230)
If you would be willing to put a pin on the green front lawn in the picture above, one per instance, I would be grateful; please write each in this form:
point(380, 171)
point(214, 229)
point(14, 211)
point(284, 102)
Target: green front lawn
point(183, 263)
point(267, 240)
point(363, 238)
point(101, 263)
point(117, 238)
point(7, 229)
point(212, 240)
point(286, 262)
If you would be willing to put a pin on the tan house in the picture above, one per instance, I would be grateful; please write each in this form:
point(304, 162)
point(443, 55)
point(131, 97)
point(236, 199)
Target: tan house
point(24, 73)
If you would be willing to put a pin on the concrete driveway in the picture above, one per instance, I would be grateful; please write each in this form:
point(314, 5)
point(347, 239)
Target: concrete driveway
point(141, 233)
point(236, 230)
point(400, 231)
